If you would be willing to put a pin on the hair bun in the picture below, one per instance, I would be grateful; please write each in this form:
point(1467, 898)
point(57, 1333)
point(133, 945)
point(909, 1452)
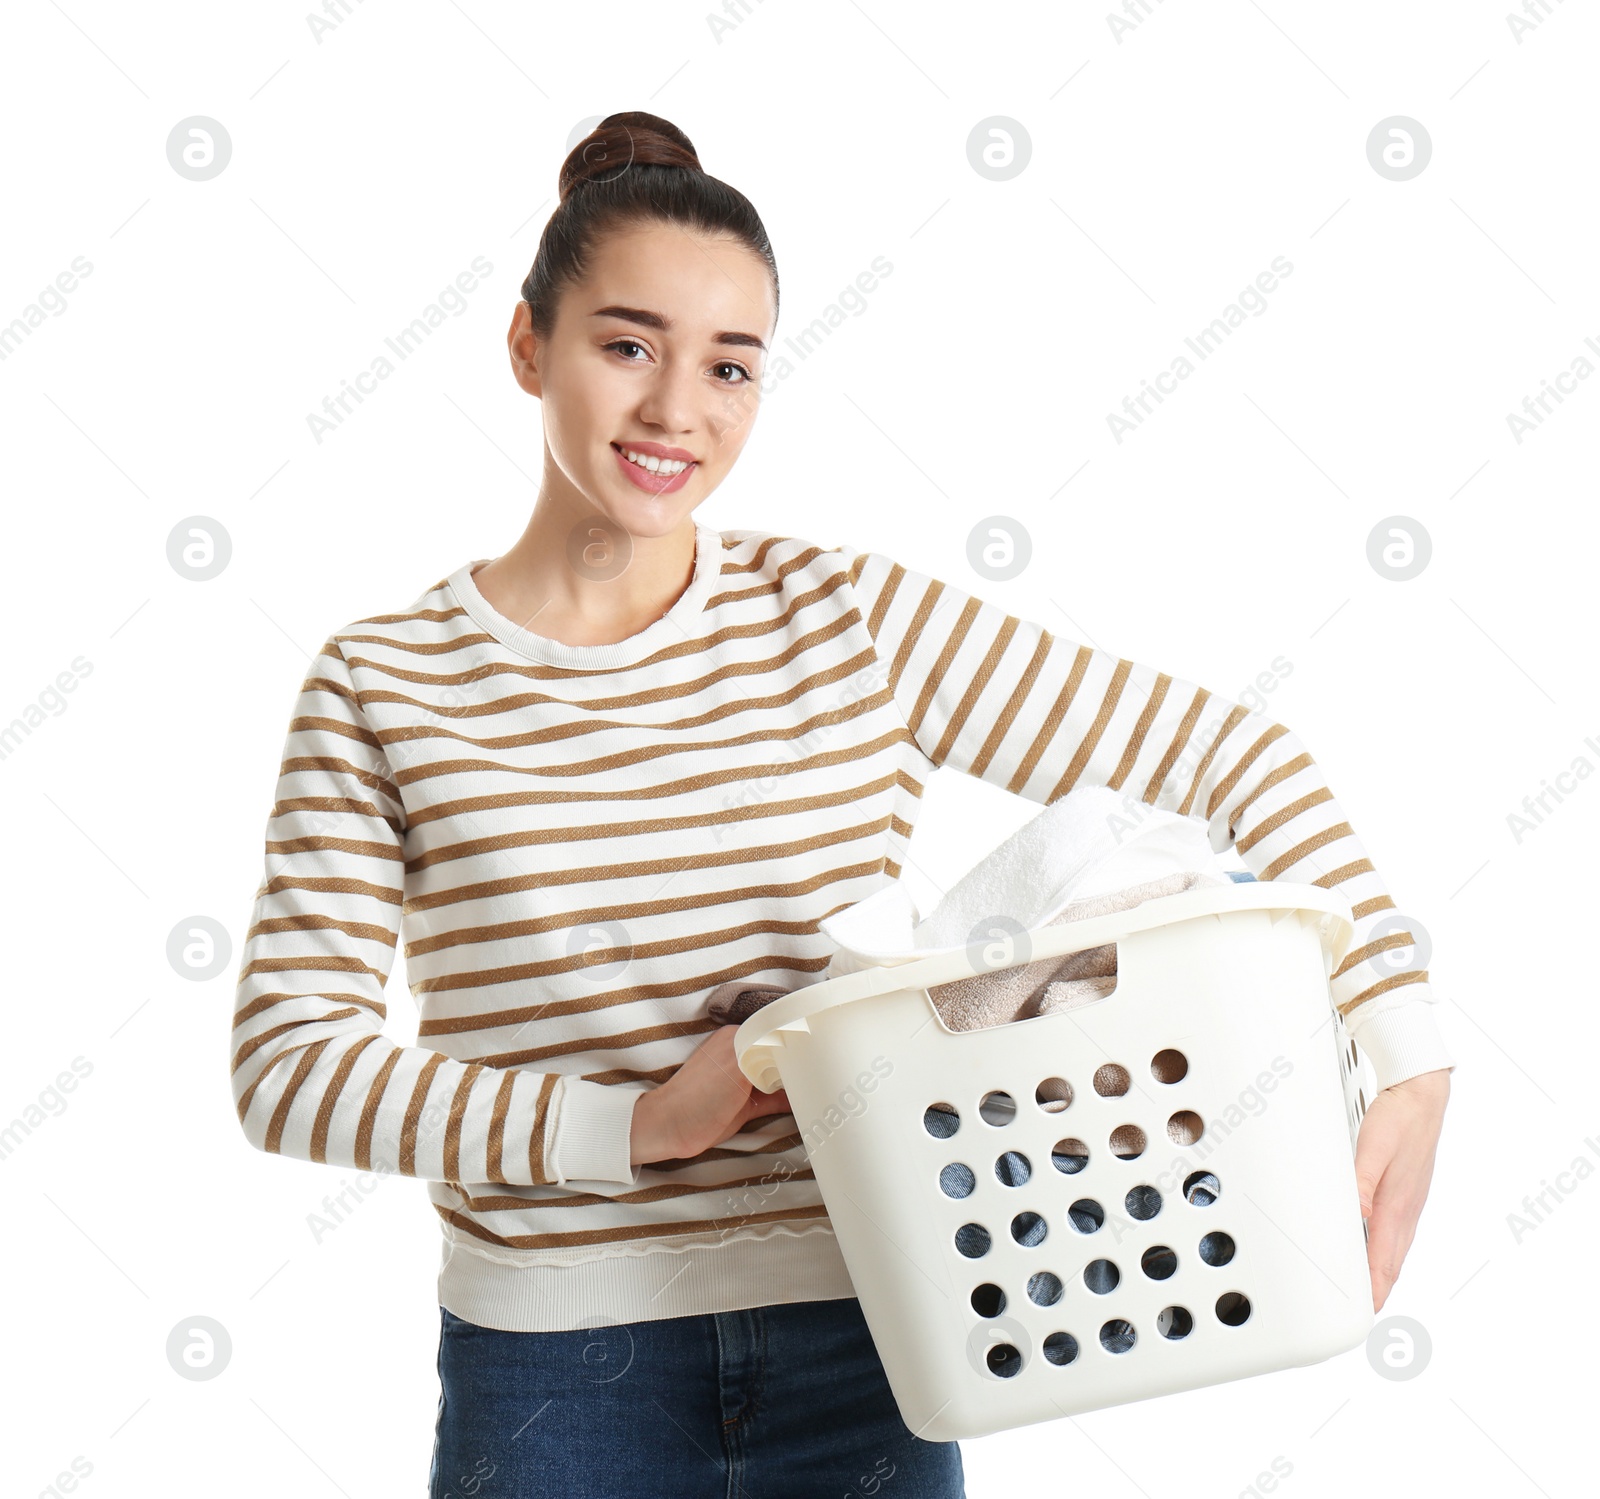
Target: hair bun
point(620, 141)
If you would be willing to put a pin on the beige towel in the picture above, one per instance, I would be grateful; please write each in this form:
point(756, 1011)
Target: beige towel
point(1053, 984)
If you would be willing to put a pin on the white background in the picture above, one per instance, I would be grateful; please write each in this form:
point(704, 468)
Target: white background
point(1167, 169)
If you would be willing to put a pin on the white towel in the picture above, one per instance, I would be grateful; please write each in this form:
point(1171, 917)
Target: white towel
point(1090, 842)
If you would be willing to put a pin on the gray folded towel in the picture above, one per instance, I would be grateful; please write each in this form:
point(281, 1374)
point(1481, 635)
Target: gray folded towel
point(1043, 987)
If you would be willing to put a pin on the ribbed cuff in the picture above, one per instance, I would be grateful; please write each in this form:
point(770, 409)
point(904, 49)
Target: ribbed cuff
point(1402, 1042)
point(592, 1126)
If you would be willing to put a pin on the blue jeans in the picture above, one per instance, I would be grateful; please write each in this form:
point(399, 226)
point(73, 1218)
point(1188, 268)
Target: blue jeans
point(773, 1402)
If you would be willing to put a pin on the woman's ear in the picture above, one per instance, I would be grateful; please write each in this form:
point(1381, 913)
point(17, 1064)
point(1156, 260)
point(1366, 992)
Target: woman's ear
point(522, 343)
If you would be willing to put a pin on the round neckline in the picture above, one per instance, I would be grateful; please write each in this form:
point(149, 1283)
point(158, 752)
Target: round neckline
point(669, 629)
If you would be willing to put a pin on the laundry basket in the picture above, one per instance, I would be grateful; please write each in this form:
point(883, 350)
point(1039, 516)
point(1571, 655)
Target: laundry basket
point(1185, 1209)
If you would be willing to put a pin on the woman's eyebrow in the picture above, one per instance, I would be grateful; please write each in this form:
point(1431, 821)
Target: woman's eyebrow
point(656, 320)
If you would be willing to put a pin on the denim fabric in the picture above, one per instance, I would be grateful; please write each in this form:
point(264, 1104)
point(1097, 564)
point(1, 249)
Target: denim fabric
point(769, 1403)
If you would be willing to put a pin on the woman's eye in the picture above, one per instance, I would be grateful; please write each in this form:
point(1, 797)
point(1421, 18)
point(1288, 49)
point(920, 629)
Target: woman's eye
point(621, 343)
point(728, 364)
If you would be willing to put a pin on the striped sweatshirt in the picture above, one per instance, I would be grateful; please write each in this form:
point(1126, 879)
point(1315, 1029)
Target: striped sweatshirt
point(583, 840)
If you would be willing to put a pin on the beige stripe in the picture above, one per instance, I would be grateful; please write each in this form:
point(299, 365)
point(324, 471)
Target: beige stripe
point(643, 828)
point(975, 688)
point(1309, 846)
point(458, 1113)
point(647, 691)
point(1344, 872)
point(323, 1121)
point(280, 1115)
point(1108, 706)
point(293, 764)
point(501, 1202)
point(541, 1115)
point(1180, 742)
point(1225, 787)
point(1014, 705)
point(408, 1126)
point(608, 999)
point(255, 1043)
point(702, 779)
point(1266, 783)
point(264, 1002)
point(1372, 949)
point(541, 671)
point(1414, 976)
point(1053, 719)
point(645, 754)
point(1136, 742)
point(622, 1234)
point(880, 609)
point(1229, 724)
point(1367, 907)
point(1270, 825)
point(497, 1129)
point(369, 1110)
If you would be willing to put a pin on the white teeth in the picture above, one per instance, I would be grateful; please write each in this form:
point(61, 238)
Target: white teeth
point(668, 466)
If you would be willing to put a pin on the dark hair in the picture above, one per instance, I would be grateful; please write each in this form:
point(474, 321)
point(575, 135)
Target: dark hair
point(632, 168)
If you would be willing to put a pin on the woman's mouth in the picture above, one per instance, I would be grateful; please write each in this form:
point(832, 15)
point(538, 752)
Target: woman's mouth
point(653, 474)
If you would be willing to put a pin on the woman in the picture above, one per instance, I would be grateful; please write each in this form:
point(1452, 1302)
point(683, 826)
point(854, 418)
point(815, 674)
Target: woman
point(633, 759)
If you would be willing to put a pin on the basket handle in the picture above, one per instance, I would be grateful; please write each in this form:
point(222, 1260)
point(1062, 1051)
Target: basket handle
point(759, 1038)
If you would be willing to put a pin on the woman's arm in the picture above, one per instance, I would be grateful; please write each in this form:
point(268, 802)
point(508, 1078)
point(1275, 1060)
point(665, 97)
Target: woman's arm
point(313, 1074)
point(1001, 698)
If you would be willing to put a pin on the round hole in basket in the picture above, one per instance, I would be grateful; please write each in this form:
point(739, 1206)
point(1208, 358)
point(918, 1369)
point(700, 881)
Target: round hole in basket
point(1117, 1336)
point(988, 1300)
point(1003, 1360)
point(997, 1108)
point(1158, 1262)
point(1185, 1127)
point(1216, 1249)
point(1174, 1322)
point(941, 1120)
point(957, 1180)
point(1101, 1276)
point(1233, 1307)
point(1029, 1229)
point(1086, 1215)
point(1201, 1188)
point(972, 1239)
point(1142, 1202)
point(1128, 1142)
point(1069, 1156)
point(1060, 1348)
point(1112, 1080)
point(1053, 1094)
point(1169, 1066)
point(1013, 1168)
point(1044, 1289)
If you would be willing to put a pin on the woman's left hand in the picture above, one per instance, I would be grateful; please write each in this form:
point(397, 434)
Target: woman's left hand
point(1394, 1165)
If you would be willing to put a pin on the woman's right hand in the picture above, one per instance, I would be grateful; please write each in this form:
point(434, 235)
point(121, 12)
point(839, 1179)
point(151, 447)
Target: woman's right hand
point(703, 1103)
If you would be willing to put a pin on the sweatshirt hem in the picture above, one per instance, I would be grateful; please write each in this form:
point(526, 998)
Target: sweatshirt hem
point(770, 1270)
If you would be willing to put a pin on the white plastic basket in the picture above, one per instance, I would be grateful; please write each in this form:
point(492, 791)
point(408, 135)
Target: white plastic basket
point(1228, 984)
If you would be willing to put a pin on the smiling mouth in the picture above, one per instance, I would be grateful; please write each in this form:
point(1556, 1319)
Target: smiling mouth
point(666, 467)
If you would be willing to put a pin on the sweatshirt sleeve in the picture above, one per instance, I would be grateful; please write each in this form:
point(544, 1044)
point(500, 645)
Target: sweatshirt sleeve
point(313, 1074)
point(1000, 698)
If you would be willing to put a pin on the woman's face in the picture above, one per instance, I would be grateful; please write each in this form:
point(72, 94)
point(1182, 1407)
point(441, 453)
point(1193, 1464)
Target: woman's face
point(658, 351)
